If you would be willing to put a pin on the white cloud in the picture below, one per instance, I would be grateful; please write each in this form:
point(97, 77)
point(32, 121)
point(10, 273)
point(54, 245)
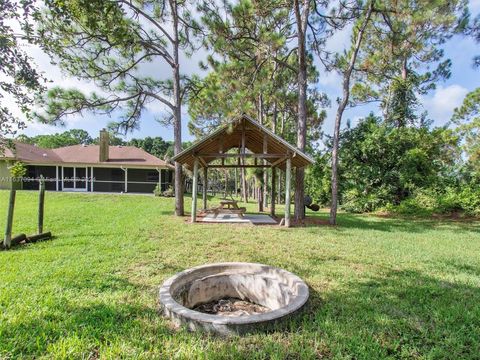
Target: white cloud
point(340, 40)
point(87, 121)
point(445, 99)
point(54, 74)
point(331, 79)
point(474, 6)
point(156, 107)
point(36, 128)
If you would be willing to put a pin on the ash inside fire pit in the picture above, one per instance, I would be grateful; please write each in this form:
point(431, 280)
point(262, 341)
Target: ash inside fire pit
point(231, 307)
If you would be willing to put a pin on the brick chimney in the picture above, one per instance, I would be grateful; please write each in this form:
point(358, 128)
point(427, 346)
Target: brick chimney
point(103, 145)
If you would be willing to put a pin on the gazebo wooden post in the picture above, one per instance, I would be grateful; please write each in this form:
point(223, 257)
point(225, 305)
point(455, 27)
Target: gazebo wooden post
point(288, 172)
point(205, 187)
point(194, 190)
point(272, 192)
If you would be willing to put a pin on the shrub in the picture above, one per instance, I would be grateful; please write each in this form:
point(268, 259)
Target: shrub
point(449, 203)
point(169, 192)
point(422, 203)
point(469, 199)
point(18, 169)
point(464, 200)
point(355, 202)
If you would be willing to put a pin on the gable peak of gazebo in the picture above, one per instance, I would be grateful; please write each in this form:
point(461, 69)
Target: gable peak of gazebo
point(245, 134)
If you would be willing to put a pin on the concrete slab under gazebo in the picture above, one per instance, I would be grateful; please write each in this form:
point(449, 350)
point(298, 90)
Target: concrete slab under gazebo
point(252, 141)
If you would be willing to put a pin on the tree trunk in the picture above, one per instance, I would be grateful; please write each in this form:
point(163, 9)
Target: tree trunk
point(272, 192)
point(226, 183)
point(260, 198)
point(261, 119)
point(404, 69)
point(177, 116)
point(301, 20)
point(273, 173)
point(205, 188)
point(279, 195)
point(265, 185)
point(236, 181)
point(336, 140)
point(403, 121)
point(244, 186)
point(338, 119)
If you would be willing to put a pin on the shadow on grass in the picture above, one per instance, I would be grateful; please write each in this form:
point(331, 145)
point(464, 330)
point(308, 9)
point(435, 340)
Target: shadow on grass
point(396, 224)
point(401, 314)
point(84, 323)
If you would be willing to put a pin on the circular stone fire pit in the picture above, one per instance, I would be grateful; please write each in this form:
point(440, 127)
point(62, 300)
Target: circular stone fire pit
point(258, 296)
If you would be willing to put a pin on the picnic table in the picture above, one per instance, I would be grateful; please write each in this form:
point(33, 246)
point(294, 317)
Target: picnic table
point(229, 204)
point(228, 207)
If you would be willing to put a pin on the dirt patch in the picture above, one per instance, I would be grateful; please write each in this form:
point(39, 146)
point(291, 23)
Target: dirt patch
point(231, 307)
point(309, 221)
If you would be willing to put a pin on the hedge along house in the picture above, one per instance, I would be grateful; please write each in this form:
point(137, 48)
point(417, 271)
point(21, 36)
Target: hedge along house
point(250, 145)
point(92, 168)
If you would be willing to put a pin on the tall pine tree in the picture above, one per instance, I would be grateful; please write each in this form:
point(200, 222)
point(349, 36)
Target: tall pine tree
point(108, 43)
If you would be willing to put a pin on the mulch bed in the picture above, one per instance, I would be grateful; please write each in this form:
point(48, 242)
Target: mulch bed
point(309, 221)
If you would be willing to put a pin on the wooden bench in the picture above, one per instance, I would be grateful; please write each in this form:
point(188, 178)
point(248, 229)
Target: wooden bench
point(238, 211)
point(213, 210)
point(218, 210)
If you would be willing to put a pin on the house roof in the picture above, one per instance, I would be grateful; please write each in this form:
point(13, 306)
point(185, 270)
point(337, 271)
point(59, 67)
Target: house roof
point(85, 155)
point(229, 136)
point(31, 154)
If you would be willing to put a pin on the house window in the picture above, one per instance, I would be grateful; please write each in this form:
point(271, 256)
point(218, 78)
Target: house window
point(152, 176)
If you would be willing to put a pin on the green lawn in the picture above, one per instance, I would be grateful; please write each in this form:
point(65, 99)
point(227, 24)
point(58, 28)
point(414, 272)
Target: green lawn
point(380, 288)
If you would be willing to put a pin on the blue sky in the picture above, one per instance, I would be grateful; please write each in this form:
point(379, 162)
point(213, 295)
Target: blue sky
point(439, 103)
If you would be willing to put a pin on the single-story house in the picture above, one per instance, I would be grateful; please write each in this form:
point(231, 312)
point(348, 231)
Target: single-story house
point(100, 168)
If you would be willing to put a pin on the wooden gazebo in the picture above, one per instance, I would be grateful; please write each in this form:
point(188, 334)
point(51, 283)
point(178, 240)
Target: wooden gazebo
point(253, 140)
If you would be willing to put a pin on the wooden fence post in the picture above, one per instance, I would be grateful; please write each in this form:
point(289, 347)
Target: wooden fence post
point(41, 202)
point(8, 230)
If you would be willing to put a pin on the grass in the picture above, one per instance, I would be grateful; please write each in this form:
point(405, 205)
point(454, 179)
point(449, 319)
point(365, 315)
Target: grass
point(380, 288)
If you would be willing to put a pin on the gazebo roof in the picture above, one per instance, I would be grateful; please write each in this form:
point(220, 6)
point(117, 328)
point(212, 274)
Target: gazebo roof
point(243, 133)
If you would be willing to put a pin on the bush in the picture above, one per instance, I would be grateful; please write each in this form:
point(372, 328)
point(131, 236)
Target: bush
point(422, 203)
point(157, 191)
point(469, 200)
point(448, 203)
point(318, 180)
point(355, 202)
point(453, 200)
point(18, 169)
point(169, 192)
